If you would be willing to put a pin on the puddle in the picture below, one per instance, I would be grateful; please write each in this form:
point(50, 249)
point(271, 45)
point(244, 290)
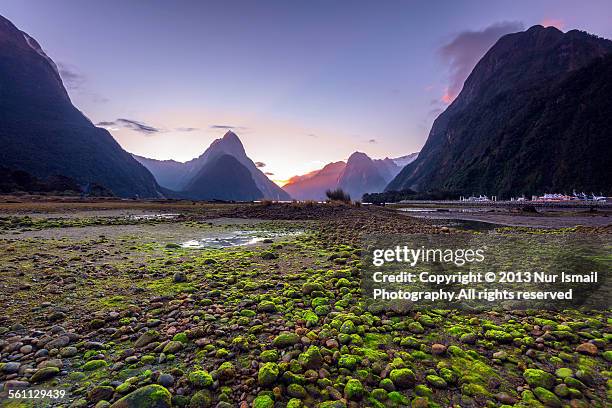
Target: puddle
point(234, 239)
point(154, 216)
point(469, 225)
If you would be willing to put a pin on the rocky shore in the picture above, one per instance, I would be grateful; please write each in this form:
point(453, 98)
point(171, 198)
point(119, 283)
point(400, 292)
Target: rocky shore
point(125, 320)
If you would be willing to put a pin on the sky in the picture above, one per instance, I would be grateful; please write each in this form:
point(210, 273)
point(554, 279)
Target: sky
point(303, 83)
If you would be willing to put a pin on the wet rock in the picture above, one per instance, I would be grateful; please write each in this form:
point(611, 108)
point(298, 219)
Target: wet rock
point(587, 348)
point(402, 377)
point(539, 378)
point(59, 342)
point(100, 393)
point(505, 398)
point(173, 347)
point(438, 349)
point(44, 374)
point(165, 380)
point(179, 277)
point(69, 351)
point(10, 368)
point(201, 379)
point(286, 340)
point(146, 338)
point(149, 396)
point(267, 374)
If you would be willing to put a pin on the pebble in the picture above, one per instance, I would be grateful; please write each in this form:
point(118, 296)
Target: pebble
point(166, 380)
point(587, 348)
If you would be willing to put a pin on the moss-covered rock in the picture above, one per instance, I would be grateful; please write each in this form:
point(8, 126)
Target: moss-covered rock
point(263, 401)
point(286, 340)
point(200, 379)
point(268, 373)
point(539, 378)
point(94, 365)
point(43, 374)
point(149, 396)
point(311, 359)
point(354, 390)
point(547, 398)
point(402, 377)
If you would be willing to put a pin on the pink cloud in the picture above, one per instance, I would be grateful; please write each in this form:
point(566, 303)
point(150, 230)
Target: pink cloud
point(466, 48)
point(448, 97)
point(553, 22)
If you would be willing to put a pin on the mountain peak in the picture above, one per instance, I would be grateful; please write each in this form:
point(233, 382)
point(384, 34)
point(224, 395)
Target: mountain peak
point(230, 135)
point(358, 157)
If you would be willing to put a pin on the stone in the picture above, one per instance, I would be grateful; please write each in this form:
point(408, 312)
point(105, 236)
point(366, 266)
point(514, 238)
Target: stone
point(100, 393)
point(539, 378)
point(297, 391)
point(286, 340)
point(437, 382)
point(200, 378)
point(354, 390)
point(263, 401)
point(547, 398)
point(587, 348)
point(438, 349)
point(402, 378)
point(268, 373)
point(44, 374)
point(59, 342)
point(173, 347)
point(146, 338)
point(149, 396)
point(166, 380)
point(11, 367)
point(69, 351)
point(311, 359)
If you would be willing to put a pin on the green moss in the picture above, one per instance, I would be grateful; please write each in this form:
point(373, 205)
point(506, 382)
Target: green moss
point(402, 377)
point(286, 340)
point(149, 396)
point(539, 378)
point(267, 374)
point(354, 390)
point(547, 398)
point(200, 378)
point(269, 356)
point(94, 365)
point(263, 401)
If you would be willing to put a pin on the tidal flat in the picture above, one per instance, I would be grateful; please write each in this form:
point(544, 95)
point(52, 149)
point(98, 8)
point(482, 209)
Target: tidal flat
point(105, 300)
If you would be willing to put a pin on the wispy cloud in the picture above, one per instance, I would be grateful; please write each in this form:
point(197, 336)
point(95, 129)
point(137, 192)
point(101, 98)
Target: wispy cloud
point(372, 141)
point(134, 125)
point(226, 127)
point(187, 129)
point(72, 78)
point(465, 50)
point(260, 164)
point(267, 173)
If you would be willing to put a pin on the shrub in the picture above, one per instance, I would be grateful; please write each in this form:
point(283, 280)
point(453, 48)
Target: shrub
point(338, 195)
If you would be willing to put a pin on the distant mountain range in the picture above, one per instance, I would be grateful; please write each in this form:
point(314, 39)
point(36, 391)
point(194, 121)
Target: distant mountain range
point(532, 117)
point(43, 134)
point(358, 175)
point(194, 179)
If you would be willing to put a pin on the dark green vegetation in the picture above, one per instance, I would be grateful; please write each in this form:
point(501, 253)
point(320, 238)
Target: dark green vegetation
point(533, 117)
point(41, 132)
point(397, 196)
point(19, 181)
point(133, 322)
